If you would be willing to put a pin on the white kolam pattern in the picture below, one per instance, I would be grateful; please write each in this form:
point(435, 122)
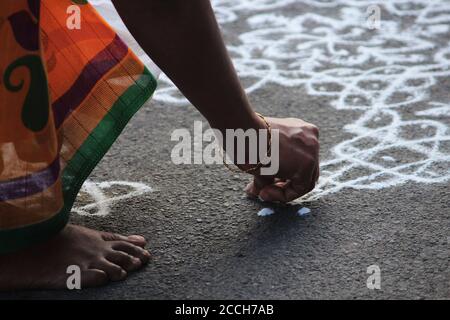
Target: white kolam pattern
point(378, 73)
point(387, 76)
point(102, 196)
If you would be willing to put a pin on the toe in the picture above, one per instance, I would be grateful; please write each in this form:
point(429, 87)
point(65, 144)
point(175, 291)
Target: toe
point(93, 278)
point(124, 260)
point(114, 271)
point(132, 250)
point(134, 239)
point(137, 240)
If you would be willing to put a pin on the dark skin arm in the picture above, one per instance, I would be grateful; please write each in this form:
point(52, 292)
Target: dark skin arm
point(183, 38)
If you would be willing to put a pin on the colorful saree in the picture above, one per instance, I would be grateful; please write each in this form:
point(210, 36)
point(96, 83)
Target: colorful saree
point(65, 96)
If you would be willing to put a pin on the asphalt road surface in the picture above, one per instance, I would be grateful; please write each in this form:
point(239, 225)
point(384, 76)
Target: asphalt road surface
point(381, 99)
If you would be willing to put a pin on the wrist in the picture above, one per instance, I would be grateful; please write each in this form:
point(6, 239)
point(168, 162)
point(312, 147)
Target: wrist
point(242, 121)
point(256, 123)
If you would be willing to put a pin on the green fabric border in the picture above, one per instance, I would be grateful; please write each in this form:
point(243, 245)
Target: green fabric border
point(82, 163)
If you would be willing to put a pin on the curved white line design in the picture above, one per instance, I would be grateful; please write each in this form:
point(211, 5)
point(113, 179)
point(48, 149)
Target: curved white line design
point(100, 204)
point(386, 76)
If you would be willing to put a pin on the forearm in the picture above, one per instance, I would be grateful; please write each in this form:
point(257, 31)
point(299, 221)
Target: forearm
point(184, 40)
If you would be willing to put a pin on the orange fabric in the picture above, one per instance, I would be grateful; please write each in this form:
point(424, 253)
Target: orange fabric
point(65, 95)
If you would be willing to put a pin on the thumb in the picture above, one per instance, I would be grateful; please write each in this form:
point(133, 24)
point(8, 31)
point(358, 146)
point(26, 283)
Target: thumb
point(258, 183)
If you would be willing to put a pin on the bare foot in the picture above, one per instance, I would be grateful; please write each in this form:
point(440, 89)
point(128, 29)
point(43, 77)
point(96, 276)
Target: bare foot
point(101, 256)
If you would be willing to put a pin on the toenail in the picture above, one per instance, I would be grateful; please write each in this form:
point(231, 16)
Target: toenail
point(136, 238)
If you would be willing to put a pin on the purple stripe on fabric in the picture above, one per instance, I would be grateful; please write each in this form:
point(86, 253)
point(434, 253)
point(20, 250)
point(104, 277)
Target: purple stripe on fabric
point(31, 184)
point(100, 65)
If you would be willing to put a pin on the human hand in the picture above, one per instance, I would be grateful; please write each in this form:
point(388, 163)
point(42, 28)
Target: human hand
point(298, 162)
